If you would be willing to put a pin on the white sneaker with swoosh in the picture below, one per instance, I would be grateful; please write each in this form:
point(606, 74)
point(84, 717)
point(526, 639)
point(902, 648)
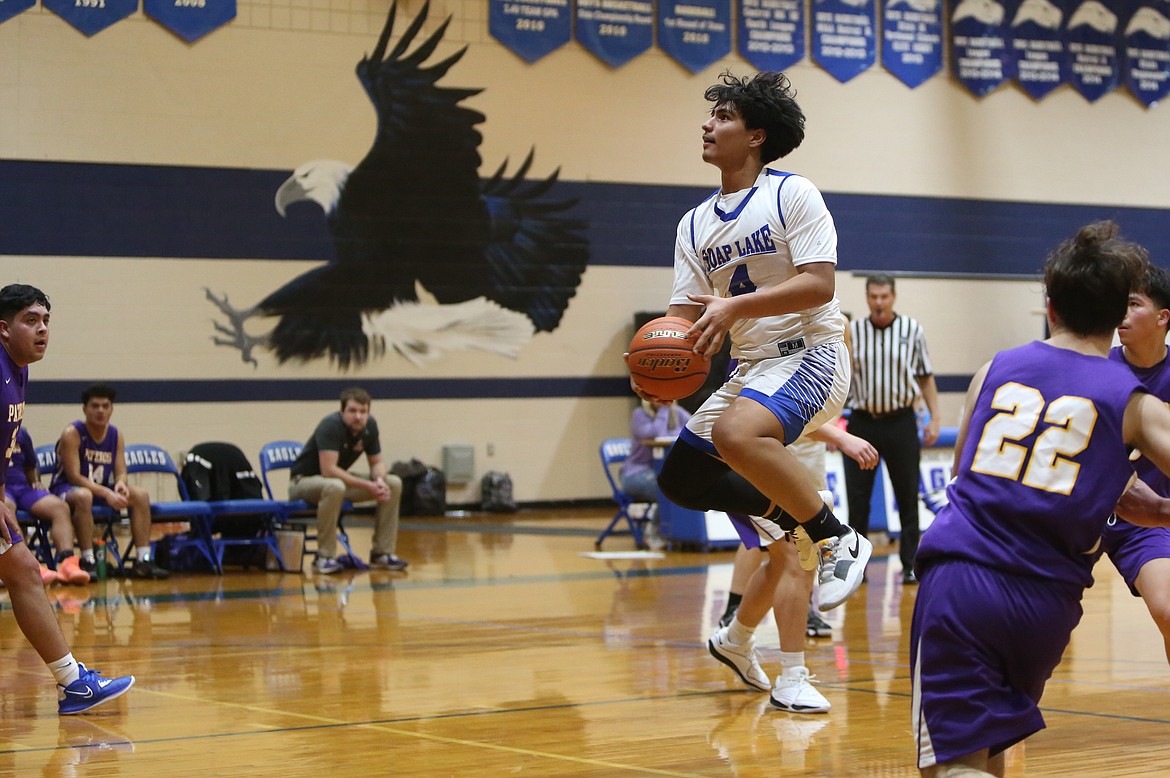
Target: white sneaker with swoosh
point(843, 561)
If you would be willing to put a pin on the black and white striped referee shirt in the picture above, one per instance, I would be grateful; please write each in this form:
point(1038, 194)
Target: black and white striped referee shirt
point(887, 363)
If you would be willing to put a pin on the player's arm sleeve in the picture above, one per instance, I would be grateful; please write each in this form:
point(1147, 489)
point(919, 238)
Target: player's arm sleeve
point(809, 227)
point(689, 277)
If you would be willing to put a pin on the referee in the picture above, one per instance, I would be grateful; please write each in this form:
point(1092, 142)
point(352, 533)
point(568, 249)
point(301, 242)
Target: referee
point(891, 369)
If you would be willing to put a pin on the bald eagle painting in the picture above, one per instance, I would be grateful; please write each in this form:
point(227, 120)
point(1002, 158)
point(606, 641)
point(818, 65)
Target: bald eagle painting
point(428, 257)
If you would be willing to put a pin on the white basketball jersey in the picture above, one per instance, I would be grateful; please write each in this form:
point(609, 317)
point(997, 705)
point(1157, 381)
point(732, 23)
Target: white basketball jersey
point(755, 239)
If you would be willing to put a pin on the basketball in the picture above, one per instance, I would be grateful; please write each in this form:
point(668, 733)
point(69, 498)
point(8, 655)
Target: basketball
point(661, 361)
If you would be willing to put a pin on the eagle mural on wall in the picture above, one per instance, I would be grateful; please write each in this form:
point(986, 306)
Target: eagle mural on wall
point(427, 256)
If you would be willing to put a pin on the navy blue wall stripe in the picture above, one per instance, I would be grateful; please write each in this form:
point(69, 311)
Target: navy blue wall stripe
point(104, 210)
point(262, 390)
point(301, 390)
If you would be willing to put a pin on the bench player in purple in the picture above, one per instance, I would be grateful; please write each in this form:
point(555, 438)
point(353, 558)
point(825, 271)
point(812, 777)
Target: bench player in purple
point(91, 470)
point(22, 487)
point(1041, 460)
point(24, 334)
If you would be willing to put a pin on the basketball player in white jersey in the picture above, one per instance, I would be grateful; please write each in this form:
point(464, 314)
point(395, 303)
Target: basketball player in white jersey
point(755, 262)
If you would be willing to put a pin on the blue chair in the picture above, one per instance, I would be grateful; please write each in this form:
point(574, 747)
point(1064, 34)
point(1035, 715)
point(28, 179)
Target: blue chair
point(238, 510)
point(46, 459)
point(280, 455)
point(145, 458)
point(615, 451)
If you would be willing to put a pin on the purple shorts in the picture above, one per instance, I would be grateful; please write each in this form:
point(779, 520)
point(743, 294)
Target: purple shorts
point(1129, 548)
point(25, 496)
point(982, 645)
point(62, 491)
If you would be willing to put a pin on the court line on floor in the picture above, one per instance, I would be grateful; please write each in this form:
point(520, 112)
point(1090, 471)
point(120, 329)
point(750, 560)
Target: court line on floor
point(385, 726)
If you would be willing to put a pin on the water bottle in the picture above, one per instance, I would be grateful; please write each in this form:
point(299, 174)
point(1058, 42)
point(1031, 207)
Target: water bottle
point(99, 557)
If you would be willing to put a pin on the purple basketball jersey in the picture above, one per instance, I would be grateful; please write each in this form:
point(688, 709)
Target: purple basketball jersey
point(24, 452)
point(11, 406)
point(1130, 547)
point(96, 459)
point(1042, 466)
point(1156, 380)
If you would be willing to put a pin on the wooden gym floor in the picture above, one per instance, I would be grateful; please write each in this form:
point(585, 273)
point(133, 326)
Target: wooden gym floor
point(505, 652)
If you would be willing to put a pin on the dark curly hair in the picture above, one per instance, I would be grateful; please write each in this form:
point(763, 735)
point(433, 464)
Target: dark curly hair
point(14, 298)
point(1088, 278)
point(765, 102)
point(1156, 286)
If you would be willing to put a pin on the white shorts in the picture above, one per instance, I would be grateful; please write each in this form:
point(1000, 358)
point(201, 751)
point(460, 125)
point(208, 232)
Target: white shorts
point(804, 391)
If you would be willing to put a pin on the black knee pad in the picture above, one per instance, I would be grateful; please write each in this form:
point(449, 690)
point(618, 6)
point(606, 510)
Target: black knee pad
point(688, 473)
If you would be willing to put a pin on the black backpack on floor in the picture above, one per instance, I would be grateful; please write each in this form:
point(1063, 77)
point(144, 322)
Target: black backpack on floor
point(424, 489)
point(495, 490)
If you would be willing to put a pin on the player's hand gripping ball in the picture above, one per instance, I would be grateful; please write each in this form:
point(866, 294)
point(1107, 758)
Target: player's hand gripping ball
point(661, 360)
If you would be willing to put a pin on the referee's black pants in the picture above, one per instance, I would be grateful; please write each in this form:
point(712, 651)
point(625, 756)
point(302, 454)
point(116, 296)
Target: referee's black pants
point(895, 437)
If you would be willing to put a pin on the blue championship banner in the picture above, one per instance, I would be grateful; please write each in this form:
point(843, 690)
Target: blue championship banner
point(615, 31)
point(771, 33)
point(91, 16)
point(1146, 60)
point(1091, 50)
point(843, 38)
point(531, 28)
point(912, 39)
point(979, 51)
point(694, 33)
point(10, 8)
point(1038, 44)
point(190, 19)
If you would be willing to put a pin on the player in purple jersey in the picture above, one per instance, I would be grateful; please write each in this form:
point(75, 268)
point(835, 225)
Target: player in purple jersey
point(22, 488)
point(1041, 459)
point(91, 470)
point(24, 334)
point(1142, 554)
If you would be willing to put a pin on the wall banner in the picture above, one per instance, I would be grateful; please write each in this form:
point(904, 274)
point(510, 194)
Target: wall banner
point(980, 57)
point(1146, 42)
point(91, 16)
point(1094, 67)
point(10, 8)
point(912, 39)
point(615, 31)
point(694, 33)
point(1038, 44)
point(771, 32)
point(532, 28)
point(843, 37)
point(190, 19)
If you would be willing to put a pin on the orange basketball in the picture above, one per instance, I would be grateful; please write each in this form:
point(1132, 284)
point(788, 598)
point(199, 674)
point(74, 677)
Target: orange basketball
point(661, 360)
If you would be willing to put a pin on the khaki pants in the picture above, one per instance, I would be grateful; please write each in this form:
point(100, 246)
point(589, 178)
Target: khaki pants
point(328, 494)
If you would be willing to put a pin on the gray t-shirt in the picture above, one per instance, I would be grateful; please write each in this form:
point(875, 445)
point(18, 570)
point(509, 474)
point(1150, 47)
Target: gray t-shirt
point(332, 435)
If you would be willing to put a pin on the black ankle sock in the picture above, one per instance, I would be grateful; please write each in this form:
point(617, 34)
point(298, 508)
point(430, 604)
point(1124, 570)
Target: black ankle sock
point(733, 601)
point(824, 526)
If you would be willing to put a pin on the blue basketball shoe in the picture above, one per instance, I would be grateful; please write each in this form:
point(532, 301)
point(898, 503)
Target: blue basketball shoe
point(89, 691)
